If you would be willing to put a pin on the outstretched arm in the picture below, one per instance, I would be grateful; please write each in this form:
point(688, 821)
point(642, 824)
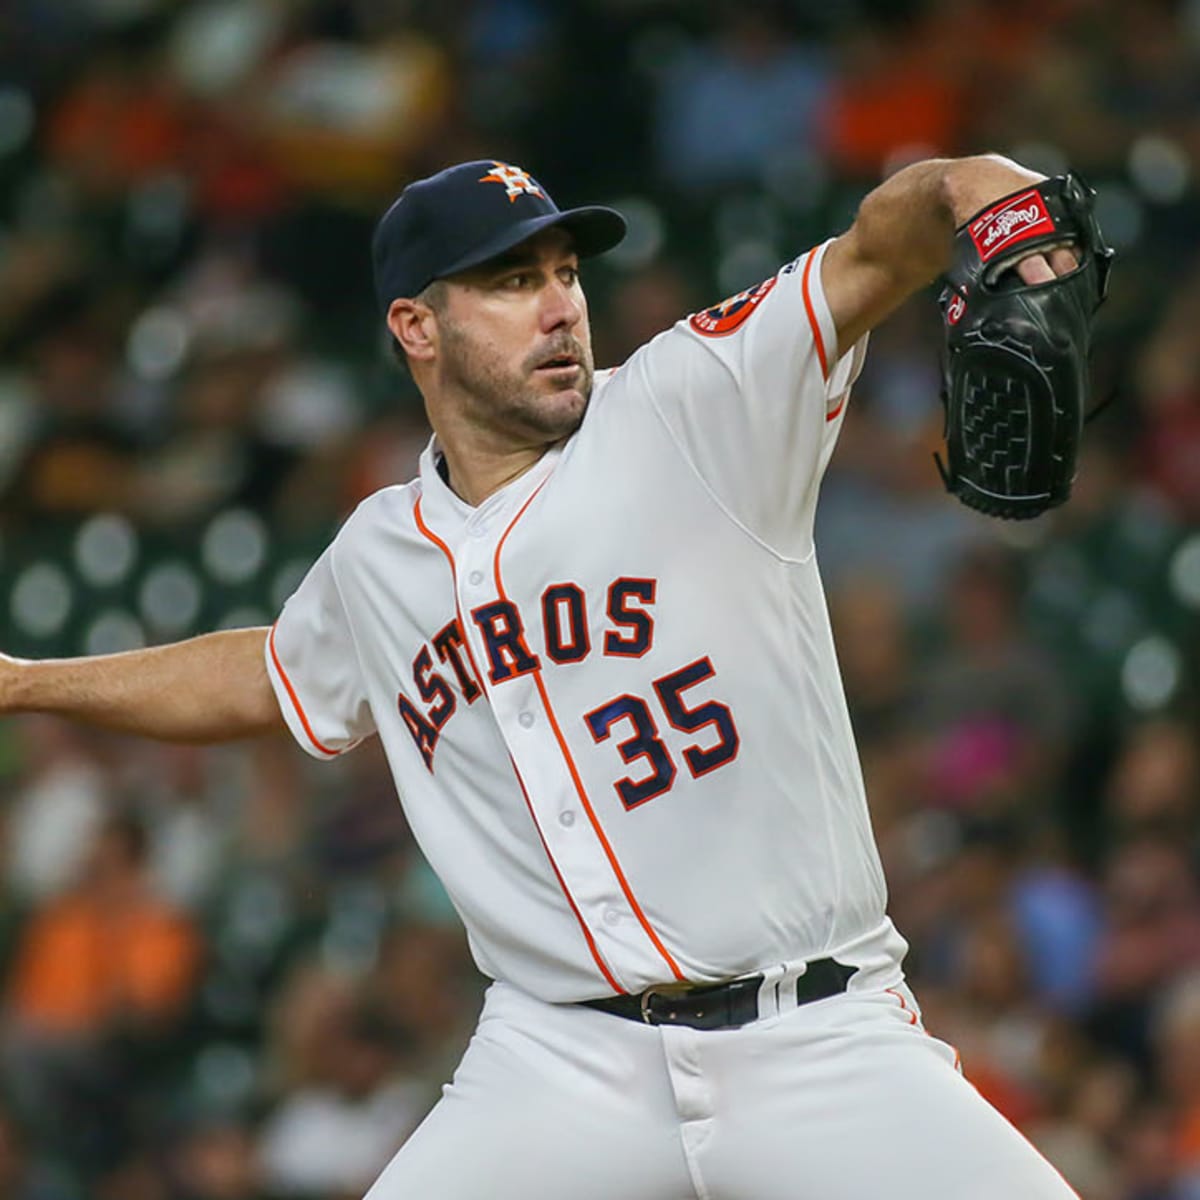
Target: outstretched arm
point(207, 689)
point(902, 236)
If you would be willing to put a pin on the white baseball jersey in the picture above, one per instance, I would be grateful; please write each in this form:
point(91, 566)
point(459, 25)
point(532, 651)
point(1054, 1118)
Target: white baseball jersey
point(609, 694)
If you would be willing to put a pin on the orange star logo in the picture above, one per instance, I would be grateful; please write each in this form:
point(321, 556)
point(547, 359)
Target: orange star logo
point(514, 179)
point(727, 316)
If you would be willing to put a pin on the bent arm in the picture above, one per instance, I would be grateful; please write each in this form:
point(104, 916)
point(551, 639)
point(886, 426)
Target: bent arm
point(207, 689)
point(901, 238)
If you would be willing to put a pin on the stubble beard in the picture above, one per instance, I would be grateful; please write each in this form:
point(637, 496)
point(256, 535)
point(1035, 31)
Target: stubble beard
point(511, 403)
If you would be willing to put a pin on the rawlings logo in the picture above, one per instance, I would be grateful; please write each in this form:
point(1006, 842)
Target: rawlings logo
point(1006, 222)
point(955, 310)
point(1024, 216)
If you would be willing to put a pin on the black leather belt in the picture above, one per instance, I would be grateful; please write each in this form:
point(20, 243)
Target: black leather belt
point(721, 1005)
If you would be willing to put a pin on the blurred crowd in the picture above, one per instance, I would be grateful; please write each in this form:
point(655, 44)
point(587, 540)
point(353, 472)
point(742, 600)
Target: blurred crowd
point(227, 973)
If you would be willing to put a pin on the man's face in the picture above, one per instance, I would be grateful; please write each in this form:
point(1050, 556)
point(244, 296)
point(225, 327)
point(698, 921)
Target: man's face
point(514, 347)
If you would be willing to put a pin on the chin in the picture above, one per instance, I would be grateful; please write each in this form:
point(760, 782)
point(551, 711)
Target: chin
point(559, 413)
point(564, 420)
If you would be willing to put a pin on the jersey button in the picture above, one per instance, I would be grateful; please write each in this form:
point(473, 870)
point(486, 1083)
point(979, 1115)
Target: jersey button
point(566, 819)
point(475, 577)
point(477, 531)
point(526, 720)
point(611, 916)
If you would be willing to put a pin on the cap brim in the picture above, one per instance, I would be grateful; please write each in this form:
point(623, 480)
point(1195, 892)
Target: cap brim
point(593, 228)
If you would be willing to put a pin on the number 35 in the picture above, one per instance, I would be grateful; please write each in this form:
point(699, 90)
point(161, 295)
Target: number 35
point(645, 743)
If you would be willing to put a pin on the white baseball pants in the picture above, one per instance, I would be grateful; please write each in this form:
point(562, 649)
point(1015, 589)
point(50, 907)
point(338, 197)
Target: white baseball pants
point(843, 1099)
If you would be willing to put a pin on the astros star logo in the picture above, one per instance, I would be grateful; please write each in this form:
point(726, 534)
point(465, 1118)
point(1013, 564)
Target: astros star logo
point(514, 179)
point(733, 301)
point(725, 317)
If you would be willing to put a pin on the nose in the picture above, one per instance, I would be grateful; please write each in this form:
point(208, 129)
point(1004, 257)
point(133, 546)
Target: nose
point(561, 307)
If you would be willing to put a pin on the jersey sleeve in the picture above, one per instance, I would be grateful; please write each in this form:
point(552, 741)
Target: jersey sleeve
point(314, 666)
point(753, 392)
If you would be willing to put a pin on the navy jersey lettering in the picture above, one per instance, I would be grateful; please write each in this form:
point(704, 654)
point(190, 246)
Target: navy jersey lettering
point(423, 731)
point(448, 642)
point(564, 617)
point(627, 602)
point(435, 691)
point(504, 637)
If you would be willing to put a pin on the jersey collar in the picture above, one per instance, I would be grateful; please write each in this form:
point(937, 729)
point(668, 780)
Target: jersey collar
point(450, 514)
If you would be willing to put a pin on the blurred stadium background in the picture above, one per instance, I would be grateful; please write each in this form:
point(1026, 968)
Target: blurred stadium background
point(226, 974)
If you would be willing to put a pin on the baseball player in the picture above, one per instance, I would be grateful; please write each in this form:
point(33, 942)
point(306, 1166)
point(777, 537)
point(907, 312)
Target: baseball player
point(592, 639)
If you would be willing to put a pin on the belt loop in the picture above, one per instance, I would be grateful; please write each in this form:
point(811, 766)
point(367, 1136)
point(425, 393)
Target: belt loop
point(773, 998)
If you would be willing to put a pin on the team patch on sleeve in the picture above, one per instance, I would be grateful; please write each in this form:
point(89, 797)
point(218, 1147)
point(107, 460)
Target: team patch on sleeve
point(725, 317)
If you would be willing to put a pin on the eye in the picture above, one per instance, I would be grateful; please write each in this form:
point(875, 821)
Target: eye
point(569, 275)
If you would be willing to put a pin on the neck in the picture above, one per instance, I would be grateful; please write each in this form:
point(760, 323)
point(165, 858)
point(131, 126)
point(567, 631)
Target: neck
point(474, 476)
point(480, 459)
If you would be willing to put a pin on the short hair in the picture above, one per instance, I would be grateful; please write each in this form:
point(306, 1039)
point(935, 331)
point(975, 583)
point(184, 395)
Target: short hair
point(434, 296)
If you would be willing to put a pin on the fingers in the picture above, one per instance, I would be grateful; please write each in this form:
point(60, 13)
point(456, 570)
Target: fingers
point(1035, 269)
point(1063, 260)
point(1042, 268)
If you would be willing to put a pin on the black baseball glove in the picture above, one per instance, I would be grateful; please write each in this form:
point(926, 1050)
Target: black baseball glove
point(1016, 378)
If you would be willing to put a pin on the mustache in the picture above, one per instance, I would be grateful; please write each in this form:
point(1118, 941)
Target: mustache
point(561, 347)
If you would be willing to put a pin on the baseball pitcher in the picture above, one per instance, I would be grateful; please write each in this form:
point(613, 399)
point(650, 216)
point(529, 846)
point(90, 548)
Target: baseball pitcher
point(592, 639)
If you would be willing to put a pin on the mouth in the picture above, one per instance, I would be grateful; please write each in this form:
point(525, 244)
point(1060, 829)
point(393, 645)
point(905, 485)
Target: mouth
point(560, 366)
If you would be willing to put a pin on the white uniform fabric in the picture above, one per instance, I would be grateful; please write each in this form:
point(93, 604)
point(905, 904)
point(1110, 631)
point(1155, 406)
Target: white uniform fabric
point(684, 505)
point(611, 704)
point(842, 1099)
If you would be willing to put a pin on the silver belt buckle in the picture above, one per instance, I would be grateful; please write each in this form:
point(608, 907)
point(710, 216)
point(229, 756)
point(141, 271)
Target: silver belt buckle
point(664, 989)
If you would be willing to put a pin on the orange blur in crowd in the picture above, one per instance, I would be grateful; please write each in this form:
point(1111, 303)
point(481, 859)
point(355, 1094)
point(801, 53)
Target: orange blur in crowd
point(108, 951)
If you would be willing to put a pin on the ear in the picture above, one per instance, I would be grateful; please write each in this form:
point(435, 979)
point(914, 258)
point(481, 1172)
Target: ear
point(414, 326)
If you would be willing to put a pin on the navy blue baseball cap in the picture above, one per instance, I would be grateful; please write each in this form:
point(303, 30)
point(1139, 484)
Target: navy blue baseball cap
point(464, 215)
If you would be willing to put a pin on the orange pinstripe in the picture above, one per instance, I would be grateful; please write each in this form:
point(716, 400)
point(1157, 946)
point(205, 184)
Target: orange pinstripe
point(912, 1020)
point(437, 541)
point(912, 1016)
point(958, 1067)
point(815, 325)
point(587, 933)
point(295, 699)
point(647, 928)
